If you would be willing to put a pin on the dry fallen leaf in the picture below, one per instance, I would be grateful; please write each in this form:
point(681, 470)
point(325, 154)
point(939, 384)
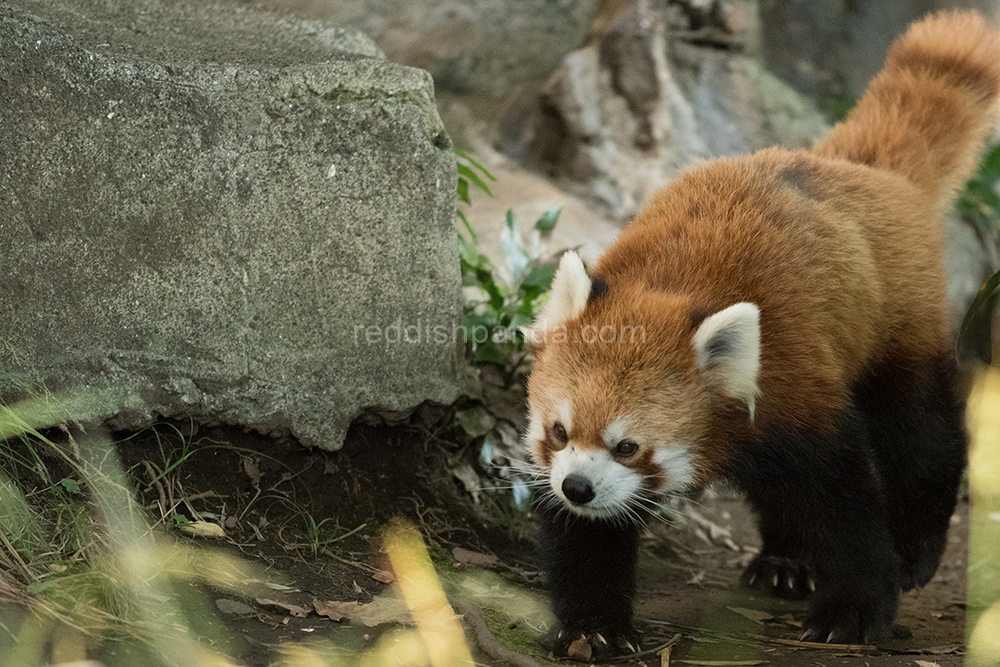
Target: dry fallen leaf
point(467, 557)
point(203, 529)
point(789, 619)
point(580, 650)
point(251, 469)
point(294, 609)
point(380, 610)
point(752, 614)
point(384, 576)
point(696, 579)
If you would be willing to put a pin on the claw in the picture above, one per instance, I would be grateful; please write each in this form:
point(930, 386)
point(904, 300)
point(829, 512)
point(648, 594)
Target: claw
point(600, 639)
point(774, 583)
point(753, 578)
point(630, 647)
point(812, 586)
point(829, 638)
point(791, 582)
point(559, 636)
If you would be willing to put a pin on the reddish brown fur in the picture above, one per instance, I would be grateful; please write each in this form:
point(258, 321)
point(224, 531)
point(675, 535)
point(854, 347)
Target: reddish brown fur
point(840, 248)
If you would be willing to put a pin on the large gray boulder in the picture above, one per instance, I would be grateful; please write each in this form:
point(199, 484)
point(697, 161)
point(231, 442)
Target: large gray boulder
point(488, 47)
point(215, 212)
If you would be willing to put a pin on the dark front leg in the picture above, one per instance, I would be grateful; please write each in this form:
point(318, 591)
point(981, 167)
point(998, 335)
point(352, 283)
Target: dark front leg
point(590, 571)
point(821, 493)
point(781, 567)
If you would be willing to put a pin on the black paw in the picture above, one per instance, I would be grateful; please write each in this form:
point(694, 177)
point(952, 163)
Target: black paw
point(919, 558)
point(859, 616)
point(589, 646)
point(785, 577)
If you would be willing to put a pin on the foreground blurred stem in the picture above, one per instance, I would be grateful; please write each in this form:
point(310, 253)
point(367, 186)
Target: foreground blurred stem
point(983, 613)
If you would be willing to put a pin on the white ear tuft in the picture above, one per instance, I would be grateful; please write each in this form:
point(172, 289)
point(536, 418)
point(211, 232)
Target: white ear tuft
point(727, 347)
point(568, 297)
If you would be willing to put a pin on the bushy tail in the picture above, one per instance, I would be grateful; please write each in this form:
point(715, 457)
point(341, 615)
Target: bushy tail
point(927, 113)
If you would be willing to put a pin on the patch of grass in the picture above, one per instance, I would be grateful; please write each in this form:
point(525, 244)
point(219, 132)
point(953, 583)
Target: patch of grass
point(77, 550)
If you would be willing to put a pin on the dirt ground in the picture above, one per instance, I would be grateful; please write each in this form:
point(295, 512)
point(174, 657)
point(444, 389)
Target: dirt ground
point(268, 493)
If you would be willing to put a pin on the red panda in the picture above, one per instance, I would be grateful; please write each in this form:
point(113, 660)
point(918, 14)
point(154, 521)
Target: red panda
point(777, 321)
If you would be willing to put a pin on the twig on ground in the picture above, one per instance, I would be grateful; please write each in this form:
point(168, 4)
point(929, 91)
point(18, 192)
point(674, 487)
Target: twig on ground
point(650, 651)
point(154, 477)
point(489, 643)
point(749, 638)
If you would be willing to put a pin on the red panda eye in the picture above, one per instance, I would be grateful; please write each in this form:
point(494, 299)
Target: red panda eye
point(625, 449)
point(559, 431)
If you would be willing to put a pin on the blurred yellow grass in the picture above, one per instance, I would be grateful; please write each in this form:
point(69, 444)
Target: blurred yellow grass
point(983, 613)
point(436, 621)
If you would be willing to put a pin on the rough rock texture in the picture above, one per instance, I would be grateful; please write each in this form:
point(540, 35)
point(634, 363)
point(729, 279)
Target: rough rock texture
point(488, 58)
point(622, 115)
point(214, 212)
point(483, 46)
point(830, 49)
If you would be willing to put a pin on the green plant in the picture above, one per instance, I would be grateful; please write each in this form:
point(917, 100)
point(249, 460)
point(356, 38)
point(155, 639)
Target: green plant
point(978, 203)
point(975, 335)
point(498, 303)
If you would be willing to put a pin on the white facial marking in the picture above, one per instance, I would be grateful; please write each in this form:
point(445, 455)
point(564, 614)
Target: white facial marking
point(727, 347)
point(614, 485)
point(564, 413)
point(615, 432)
point(534, 435)
point(678, 467)
point(569, 293)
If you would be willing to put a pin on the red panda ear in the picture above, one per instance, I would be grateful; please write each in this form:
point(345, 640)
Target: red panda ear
point(727, 348)
point(567, 298)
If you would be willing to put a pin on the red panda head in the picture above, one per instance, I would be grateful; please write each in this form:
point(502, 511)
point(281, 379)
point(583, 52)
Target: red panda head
point(626, 387)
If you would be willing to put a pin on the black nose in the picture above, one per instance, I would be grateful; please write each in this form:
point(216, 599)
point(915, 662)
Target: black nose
point(578, 489)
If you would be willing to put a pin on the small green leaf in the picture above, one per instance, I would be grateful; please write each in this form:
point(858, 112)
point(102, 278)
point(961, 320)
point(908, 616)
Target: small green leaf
point(476, 421)
point(990, 165)
point(70, 484)
point(540, 277)
point(39, 586)
point(547, 222)
point(489, 353)
point(975, 335)
point(468, 227)
point(465, 156)
point(467, 252)
point(517, 258)
point(472, 176)
point(463, 191)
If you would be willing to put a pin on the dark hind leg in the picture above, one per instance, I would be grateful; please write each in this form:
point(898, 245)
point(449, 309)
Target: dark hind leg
point(820, 504)
point(917, 435)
